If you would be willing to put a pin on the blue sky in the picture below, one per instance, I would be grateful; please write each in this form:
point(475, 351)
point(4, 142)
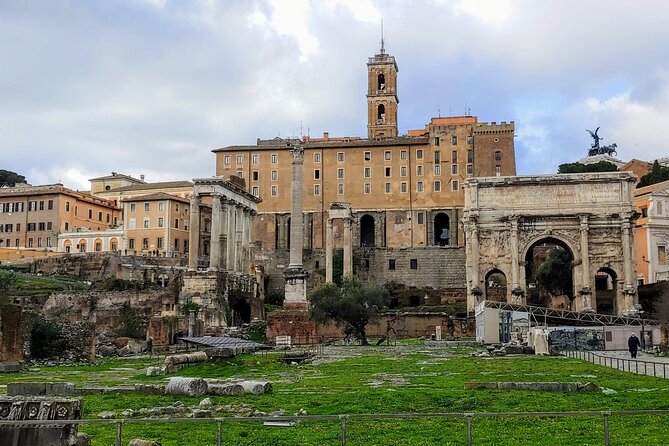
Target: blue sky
point(152, 86)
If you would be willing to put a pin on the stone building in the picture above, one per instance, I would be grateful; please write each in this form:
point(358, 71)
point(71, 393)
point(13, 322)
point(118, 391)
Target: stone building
point(404, 191)
point(512, 223)
point(652, 233)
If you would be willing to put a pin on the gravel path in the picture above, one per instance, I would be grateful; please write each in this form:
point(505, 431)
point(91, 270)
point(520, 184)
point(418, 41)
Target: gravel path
point(644, 364)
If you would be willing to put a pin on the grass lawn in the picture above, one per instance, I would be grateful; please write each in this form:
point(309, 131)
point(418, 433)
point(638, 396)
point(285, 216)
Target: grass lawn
point(402, 379)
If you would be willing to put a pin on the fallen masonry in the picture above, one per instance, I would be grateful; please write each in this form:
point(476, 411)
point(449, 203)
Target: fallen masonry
point(541, 386)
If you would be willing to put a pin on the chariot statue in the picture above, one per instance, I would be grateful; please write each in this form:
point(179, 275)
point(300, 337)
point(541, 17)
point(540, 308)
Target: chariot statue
point(596, 149)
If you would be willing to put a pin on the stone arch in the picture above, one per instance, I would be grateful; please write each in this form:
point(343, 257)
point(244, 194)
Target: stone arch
point(442, 229)
point(534, 254)
point(606, 290)
point(381, 113)
point(367, 226)
point(381, 81)
point(496, 285)
point(113, 244)
point(67, 245)
point(97, 245)
point(82, 245)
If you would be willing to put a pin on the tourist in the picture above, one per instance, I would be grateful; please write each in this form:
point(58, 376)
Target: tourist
point(633, 343)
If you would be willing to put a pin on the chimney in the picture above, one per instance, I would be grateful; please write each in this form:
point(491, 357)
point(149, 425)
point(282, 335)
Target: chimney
point(326, 136)
point(141, 177)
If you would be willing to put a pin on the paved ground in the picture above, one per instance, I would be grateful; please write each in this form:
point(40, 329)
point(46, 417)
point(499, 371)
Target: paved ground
point(644, 364)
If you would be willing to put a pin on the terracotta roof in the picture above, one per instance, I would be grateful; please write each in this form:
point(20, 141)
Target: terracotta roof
point(149, 186)
point(399, 141)
point(116, 176)
point(53, 189)
point(157, 196)
point(652, 188)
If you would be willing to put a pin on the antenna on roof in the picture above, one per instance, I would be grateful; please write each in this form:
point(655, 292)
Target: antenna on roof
point(468, 111)
point(439, 112)
point(383, 50)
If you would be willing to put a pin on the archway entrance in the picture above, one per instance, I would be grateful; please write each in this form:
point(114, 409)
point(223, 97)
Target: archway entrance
point(241, 312)
point(549, 274)
point(495, 286)
point(442, 230)
point(367, 231)
point(605, 291)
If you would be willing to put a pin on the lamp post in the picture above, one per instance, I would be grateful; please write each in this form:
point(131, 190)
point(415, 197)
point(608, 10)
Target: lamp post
point(640, 313)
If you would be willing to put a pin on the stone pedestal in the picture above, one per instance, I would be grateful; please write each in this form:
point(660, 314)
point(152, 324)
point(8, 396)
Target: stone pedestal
point(296, 289)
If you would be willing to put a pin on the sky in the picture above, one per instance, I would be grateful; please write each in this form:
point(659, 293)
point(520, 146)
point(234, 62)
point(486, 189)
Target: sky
point(152, 86)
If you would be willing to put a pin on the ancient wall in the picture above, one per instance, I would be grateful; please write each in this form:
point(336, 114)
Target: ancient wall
point(11, 341)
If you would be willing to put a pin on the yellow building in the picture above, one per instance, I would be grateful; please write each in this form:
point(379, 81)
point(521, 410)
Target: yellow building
point(652, 232)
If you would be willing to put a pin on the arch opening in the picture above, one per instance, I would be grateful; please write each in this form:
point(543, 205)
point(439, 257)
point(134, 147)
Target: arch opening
point(495, 286)
point(367, 231)
point(605, 291)
point(382, 82)
point(381, 113)
point(549, 264)
point(442, 230)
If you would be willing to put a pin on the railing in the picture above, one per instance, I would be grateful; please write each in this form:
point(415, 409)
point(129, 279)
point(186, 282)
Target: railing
point(624, 364)
point(344, 420)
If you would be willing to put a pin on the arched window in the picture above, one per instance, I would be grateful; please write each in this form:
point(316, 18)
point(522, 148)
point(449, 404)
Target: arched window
point(381, 113)
point(382, 82)
point(442, 230)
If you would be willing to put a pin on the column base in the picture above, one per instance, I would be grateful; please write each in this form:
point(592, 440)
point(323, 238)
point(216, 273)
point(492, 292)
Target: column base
point(296, 288)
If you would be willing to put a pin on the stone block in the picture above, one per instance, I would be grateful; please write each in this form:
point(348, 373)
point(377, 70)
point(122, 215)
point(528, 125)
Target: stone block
point(220, 352)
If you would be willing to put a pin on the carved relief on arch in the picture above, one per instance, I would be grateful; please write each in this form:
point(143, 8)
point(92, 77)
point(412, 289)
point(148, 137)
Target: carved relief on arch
point(494, 244)
point(566, 237)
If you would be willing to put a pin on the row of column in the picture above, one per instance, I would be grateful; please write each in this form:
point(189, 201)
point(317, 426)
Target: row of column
point(348, 248)
point(230, 243)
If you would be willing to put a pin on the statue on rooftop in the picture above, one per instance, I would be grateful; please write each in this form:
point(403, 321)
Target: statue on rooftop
point(595, 148)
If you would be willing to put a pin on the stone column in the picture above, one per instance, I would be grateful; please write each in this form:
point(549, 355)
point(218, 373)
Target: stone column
point(216, 230)
point(231, 238)
point(474, 291)
point(194, 232)
point(246, 245)
point(239, 228)
point(295, 274)
point(328, 251)
point(224, 234)
point(348, 247)
point(585, 292)
point(628, 269)
point(516, 289)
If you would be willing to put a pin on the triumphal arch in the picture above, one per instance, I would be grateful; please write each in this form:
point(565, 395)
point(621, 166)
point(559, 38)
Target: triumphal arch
point(585, 221)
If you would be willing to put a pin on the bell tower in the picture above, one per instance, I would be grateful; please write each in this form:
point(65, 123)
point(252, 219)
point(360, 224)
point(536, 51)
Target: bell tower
point(382, 95)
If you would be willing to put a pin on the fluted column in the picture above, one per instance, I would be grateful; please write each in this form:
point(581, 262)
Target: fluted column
point(216, 231)
point(295, 275)
point(194, 231)
point(629, 291)
point(516, 290)
point(586, 291)
point(328, 251)
point(231, 238)
point(239, 227)
point(348, 247)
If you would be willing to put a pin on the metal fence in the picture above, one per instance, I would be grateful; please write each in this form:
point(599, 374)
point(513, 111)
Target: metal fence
point(638, 366)
point(344, 420)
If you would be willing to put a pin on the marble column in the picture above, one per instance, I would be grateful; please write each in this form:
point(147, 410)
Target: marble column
point(231, 237)
point(348, 247)
point(516, 289)
point(629, 291)
point(474, 291)
point(295, 274)
point(224, 234)
point(239, 228)
point(194, 232)
point(328, 251)
point(246, 246)
point(216, 231)
point(586, 291)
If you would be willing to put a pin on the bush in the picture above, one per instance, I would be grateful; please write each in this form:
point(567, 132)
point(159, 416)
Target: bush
point(275, 297)
point(46, 340)
point(133, 322)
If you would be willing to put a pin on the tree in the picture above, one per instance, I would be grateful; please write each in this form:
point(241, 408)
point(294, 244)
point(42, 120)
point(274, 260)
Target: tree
point(9, 178)
point(354, 304)
point(7, 281)
point(656, 175)
point(601, 166)
point(554, 274)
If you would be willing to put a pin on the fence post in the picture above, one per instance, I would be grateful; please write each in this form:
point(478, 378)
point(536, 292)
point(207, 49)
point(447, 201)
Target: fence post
point(637, 366)
point(606, 428)
point(219, 432)
point(664, 370)
point(469, 430)
point(343, 431)
point(119, 433)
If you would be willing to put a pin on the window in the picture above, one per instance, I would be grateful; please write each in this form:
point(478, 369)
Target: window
point(32, 206)
point(317, 157)
point(30, 227)
point(470, 156)
point(133, 207)
point(661, 255)
point(391, 263)
point(455, 185)
point(404, 154)
point(275, 191)
point(388, 171)
point(388, 188)
point(498, 155)
point(240, 159)
point(454, 169)
point(48, 242)
point(317, 189)
point(161, 205)
point(50, 205)
point(454, 156)
point(436, 141)
point(437, 186)
point(498, 170)
point(368, 156)
point(90, 214)
point(67, 206)
point(644, 212)
point(255, 191)
point(340, 189)
point(658, 208)
point(10, 227)
point(176, 223)
point(419, 186)
point(98, 246)
point(41, 225)
point(387, 155)
point(413, 263)
point(67, 226)
point(454, 140)
point(437, 157)
point(255, 158)
point(39, 242)
point(496, 139)
point(100, 216)
point(108, 217)
point(340, 173)
point(255, 175)
point(145, 243)
point(317, 174)
point(419, 154)
point(403, 187)
point(437, 169)
point(368, 188)
point(161, 222)
point(381, 114)
point(131, 223)
point(49, 226)
point(275, 175)
point(419, 170)
point(147, 207)
point(368, 172)
point(470, 169)
point(470, 140)
point(403, 171)
point(41, 205)
point(146, 223)
point(340, 157)
point(421, 218)
point(226, 160)
point(159, 243)
point(131, 243)
point(274, 158)
point(30, 243)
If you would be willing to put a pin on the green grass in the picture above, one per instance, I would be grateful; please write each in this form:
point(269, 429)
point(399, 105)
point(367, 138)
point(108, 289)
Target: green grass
point(429, 381)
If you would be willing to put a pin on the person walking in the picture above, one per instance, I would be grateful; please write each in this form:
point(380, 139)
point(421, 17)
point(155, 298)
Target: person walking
point(633, 344)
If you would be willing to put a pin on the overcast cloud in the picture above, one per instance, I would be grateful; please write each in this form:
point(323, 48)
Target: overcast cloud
point(152, 86)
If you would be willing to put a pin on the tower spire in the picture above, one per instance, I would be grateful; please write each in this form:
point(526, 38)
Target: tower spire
point(383, 50)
